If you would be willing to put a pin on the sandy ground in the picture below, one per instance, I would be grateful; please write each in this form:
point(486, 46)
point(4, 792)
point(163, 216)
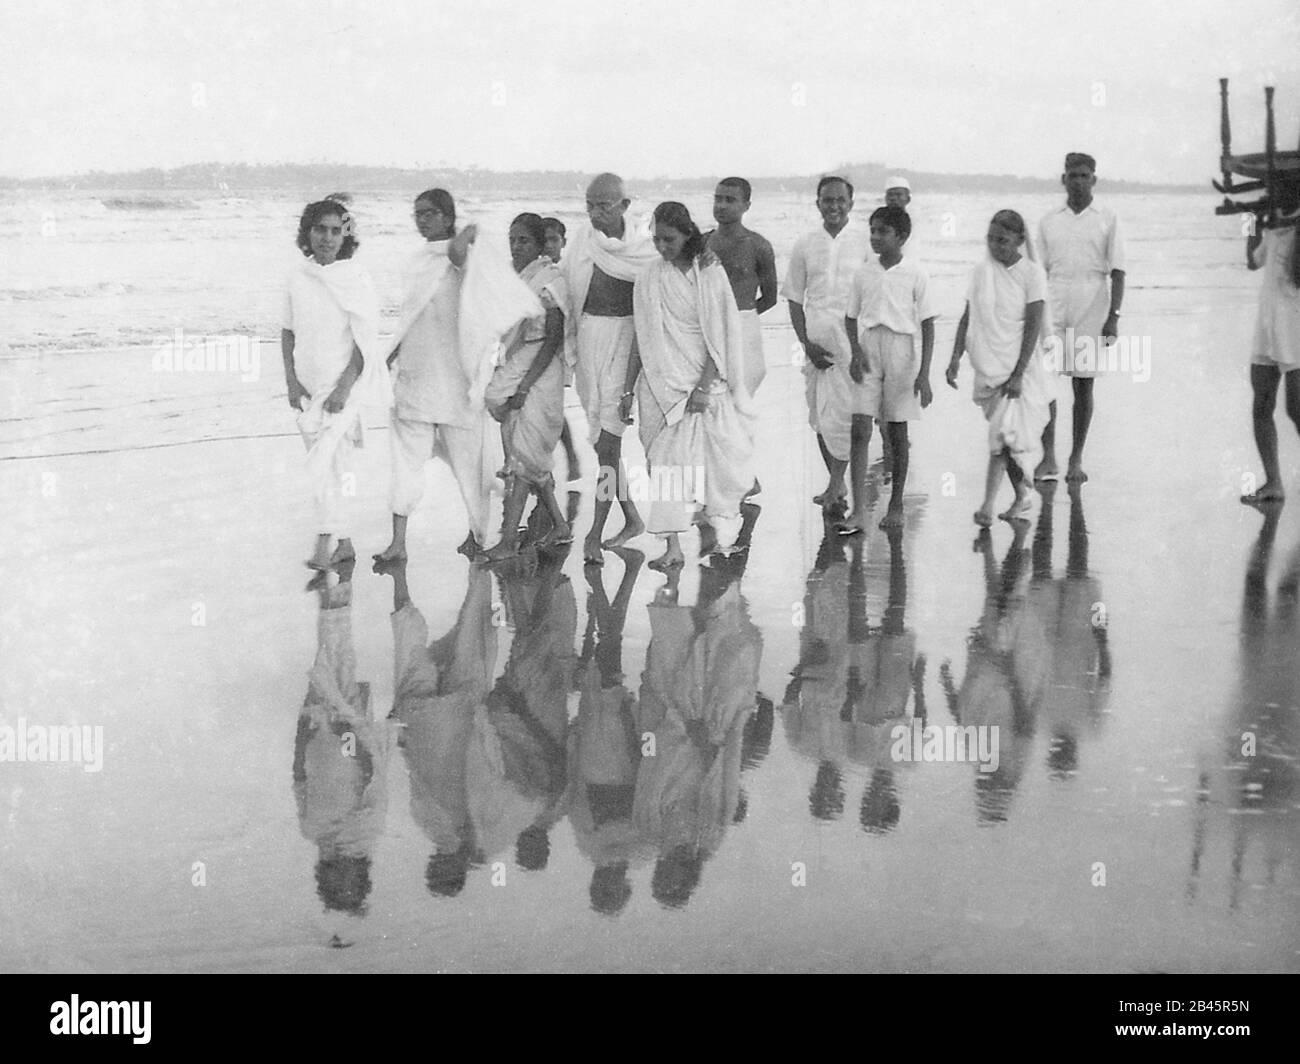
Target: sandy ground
point(153, 585)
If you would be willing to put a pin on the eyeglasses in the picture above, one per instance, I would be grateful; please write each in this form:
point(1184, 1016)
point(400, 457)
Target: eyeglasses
point(425, 212)
point(602, 206)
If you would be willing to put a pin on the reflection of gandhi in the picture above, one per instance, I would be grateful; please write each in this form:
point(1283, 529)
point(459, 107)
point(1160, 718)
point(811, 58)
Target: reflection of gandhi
point(438, 687)
point(339, 759)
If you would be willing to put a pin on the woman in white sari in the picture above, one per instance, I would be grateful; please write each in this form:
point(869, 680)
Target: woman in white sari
point(1004, 324)
point(328, 339)
point(696, 419)
point(526, 393)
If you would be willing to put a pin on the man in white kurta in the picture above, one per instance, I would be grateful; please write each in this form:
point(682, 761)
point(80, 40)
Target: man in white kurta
point(1082, 251)
point(817, 282)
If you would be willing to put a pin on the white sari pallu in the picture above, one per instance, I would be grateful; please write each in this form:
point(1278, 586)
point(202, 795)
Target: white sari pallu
point(344, 290)
point(997, 297)
point(531, 433)
point(683, 320)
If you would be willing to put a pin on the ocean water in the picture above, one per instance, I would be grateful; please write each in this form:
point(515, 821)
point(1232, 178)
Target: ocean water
point(1135, 649)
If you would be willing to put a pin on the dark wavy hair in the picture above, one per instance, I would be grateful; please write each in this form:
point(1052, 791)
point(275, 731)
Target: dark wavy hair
point(312, 214)
point(675, 215)
point(441, 199)
point(534, 224)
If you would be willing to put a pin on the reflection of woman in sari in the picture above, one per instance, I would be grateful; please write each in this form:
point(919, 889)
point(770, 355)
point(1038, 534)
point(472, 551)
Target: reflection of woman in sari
point(526, 393)
point(693, 404)
point(697, 694)
point(516, 766)
point(339, 759)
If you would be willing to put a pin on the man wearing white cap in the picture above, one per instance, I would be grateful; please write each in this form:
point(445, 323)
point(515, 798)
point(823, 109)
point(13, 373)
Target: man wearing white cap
point(898, 192)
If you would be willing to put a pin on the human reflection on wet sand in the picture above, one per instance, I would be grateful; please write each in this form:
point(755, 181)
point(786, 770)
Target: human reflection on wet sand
point(516, 768)
point(1071, 613)
point(698, 692)
point(340, 758)
point(604, 744)
point(1257, 783)
point(438, 690)
point(853, 682)
point(1007, 671)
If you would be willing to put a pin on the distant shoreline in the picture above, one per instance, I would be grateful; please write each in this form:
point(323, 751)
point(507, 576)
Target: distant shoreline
point(292, 178)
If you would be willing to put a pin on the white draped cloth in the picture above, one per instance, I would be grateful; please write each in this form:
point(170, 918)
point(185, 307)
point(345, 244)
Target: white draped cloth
point(329, 309)
point(998, 296)
point(684, 319)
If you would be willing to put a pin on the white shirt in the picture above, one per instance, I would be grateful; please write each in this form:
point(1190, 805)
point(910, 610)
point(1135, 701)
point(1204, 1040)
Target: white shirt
point(822, 267)
point(897, 298)
point(1075, 246)
point(1078, 253)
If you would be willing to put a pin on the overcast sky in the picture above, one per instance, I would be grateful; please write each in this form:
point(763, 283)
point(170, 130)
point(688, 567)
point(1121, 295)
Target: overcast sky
point(675, 88)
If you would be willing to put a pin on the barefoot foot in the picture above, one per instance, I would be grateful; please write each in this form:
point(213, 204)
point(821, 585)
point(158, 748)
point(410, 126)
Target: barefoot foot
point(394, 552)
point(630, 531)
point(591, 551)
point(1047, 470)
point(892, 519)
point(1075, 474)
point(984, 517)
point(470, 547)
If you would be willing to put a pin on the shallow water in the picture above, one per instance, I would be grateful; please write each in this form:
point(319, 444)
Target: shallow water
point(1127, 648)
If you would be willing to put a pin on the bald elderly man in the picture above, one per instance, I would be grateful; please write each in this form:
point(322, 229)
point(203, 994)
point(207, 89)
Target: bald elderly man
point(600, 263)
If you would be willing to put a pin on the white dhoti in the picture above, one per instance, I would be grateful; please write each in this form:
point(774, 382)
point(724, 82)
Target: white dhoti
point(829, 391)
point(604, 348)
point(474, 455)
point(755, 361)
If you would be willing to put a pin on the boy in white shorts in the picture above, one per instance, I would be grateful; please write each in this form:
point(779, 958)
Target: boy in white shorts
point(888, 305)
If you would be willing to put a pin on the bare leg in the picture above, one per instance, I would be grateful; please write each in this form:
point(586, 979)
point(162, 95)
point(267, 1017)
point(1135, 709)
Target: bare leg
point(396, 550)
point(1264, 381)
point(1024, 500)
point(611, 483)
point(570, 454)
point(1082, 419)
point(1047, 468)
point(516, 497)
point(887, 453)
point(859, 457)
point(835, 489)
point(896, 433)
point(992, 481)
point(560, 531)
point(672, 558)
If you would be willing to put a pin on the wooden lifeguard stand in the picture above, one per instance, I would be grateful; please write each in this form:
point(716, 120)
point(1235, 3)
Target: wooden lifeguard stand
point(1264, 170)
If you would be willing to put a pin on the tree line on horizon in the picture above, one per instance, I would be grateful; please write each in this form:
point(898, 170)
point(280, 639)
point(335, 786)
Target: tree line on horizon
point(340, 177)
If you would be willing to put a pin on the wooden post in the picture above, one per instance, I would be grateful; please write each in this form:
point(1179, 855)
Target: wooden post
point(1270, 149)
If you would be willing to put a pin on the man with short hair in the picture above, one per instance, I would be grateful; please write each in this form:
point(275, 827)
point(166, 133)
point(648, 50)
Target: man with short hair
point(599, 266)
point(817, 283)
point(1082, 248)
point(750, 263)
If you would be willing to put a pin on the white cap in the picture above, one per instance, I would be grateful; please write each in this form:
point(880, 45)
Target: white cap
point(897, 182)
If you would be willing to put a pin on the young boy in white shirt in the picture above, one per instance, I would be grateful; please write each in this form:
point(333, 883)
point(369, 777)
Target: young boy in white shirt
point(888, 305)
